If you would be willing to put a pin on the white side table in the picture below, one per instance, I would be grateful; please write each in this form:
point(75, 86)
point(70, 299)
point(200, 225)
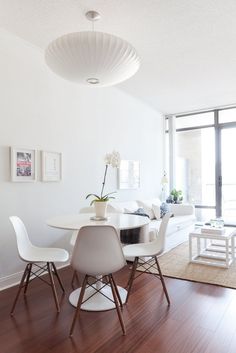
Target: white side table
point(212, 249)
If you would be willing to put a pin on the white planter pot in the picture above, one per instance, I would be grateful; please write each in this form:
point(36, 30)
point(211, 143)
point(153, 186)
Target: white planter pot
point(100, 208)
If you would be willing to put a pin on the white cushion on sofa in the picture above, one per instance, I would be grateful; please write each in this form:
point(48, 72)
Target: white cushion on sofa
point(178, 228)
point(114, 208)
point(122, 207)
point(180, 222)
point(147, 206)
point(157, 211)
point(175, 224)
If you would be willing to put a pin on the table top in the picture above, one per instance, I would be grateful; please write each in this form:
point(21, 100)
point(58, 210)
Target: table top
point(229, 232)
point(118, 220)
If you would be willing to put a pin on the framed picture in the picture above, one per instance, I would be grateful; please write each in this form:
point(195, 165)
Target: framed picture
point(23, 164)
point(129, 175)
point(51, 166)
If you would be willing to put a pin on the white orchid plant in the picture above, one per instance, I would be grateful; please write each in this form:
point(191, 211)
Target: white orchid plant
point(112, 159)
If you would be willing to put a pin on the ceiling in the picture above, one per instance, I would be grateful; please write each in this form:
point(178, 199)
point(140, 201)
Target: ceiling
point(187, 47)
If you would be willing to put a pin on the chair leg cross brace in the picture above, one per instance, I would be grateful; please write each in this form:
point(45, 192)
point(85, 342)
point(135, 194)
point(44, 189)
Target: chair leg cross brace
point(116, 299)
point(96, 290)
point(136, 265)
point(29, 275)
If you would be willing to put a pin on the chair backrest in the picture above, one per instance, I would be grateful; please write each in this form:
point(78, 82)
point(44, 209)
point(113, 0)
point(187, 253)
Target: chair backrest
point(161, 236)
point(97, 251)
point(23, 243)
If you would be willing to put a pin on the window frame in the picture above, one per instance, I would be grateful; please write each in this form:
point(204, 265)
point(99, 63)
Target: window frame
point(218, 159)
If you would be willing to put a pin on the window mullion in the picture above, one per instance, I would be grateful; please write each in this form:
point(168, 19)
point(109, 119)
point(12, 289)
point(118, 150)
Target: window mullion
point(218, 174)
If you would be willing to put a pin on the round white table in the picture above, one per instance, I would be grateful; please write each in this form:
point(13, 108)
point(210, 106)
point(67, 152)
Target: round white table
point(97, 301)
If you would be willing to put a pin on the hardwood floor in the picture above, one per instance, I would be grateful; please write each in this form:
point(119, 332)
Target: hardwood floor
point(201, 319)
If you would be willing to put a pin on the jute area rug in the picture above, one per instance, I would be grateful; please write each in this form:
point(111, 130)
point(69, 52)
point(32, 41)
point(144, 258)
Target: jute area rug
point(175, 264)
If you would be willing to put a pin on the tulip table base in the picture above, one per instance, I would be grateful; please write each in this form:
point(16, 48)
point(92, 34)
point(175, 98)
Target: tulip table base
point(97, 302)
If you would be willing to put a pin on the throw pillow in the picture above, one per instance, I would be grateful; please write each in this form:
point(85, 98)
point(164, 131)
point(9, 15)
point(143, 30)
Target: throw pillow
point(165, 207)
point(139, 212)
point(114, 207)
point(147, 206)
point(157, 211)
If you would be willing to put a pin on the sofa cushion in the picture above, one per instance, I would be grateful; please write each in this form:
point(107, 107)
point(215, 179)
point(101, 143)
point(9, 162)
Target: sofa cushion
point(157, 211)
point(138, 212)
point(175, 224)
point(179, 222)
point(114, 208)
point(123, 206)
point(147, 205)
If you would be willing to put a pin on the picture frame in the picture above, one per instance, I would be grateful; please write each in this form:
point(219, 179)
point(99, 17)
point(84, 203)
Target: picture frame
point(51, 166)
point(129, 175)
point(23, 164)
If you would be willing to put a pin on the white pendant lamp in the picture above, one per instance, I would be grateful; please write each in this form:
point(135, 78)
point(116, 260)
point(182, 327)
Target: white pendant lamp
point(92, 58)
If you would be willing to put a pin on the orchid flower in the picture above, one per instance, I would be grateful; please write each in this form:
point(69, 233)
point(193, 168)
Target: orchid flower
point(112, 159)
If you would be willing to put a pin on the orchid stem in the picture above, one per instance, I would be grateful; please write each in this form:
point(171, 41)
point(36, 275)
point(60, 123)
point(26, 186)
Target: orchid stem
point(104, 179)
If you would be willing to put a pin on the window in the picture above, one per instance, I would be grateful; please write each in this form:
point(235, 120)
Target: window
point(195, 165)
point(227, 116)
point(195, 120)
point(228, 145)
point(202, 167)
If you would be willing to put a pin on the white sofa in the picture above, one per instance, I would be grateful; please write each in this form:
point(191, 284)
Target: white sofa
point(180, 225)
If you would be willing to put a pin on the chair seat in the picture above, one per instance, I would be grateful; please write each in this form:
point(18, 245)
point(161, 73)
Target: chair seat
point(141, 249)
point(37, 254)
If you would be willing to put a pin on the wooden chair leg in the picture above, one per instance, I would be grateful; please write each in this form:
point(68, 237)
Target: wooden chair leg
point(117, 292)
point(58, 277)
point(162, 281)
point(131, 278)
point(21, 285)
point(117, 305)
point(28, 278)
point(80, 300)
point(53, 286)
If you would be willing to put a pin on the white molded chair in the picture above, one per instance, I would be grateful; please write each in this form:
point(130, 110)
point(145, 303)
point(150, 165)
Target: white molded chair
point(72, 243)
point(73, 240)
point(98, 253)
point(36, 256)
point(151, 250)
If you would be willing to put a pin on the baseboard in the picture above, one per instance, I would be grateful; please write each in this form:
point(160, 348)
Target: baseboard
point(14, 279)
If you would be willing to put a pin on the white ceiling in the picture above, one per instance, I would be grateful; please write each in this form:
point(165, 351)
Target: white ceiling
point(187, 47)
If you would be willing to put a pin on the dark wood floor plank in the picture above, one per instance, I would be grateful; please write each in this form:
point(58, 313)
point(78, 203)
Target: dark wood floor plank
point(200, 320)
point(225, 331)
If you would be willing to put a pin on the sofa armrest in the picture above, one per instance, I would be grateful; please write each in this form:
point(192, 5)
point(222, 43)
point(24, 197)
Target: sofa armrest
point(182, 209)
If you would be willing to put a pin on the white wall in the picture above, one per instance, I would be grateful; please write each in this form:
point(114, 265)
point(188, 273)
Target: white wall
point(42, 111)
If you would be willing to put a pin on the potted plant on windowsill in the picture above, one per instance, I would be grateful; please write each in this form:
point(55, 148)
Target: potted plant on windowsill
point(176, 196)
point(100, 201)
